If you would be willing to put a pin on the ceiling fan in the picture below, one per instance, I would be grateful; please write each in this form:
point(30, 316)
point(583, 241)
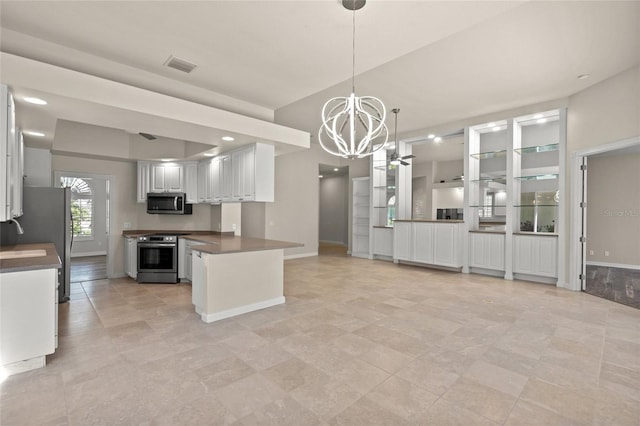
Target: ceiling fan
point(396, 159)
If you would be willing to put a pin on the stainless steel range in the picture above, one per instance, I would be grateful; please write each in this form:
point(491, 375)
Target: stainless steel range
point(158, 258)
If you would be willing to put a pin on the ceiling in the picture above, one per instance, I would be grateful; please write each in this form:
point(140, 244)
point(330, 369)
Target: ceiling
point(440, 62)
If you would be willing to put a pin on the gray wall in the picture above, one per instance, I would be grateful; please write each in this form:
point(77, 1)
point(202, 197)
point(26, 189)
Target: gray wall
point(334, 209)
point(613, 209)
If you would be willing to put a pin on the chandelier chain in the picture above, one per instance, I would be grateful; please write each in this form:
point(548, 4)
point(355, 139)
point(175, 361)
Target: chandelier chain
point(353, 50)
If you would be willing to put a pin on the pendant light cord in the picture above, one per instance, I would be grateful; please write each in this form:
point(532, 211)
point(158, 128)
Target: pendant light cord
point(353, 67)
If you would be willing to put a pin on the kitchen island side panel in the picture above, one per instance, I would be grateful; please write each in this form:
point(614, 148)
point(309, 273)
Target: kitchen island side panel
point(239, 281)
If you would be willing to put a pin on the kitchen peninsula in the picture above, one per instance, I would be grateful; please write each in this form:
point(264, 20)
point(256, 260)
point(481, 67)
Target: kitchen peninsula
point(234, 275)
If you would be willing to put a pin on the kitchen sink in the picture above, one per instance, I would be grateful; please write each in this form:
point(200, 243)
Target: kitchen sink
point(18, 254)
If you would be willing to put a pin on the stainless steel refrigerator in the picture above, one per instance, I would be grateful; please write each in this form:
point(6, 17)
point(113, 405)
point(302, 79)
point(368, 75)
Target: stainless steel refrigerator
point(46, 219)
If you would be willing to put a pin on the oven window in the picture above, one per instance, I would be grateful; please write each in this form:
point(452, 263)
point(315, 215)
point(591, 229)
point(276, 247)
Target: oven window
point(155, 258)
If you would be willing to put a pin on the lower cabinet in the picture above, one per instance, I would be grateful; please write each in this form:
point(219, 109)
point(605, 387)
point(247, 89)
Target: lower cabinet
point(486, 250)
point(536, 255)
point(185, 258)
point(28, 314)
point(382, 241)
point(432, 243)
point(131, 257)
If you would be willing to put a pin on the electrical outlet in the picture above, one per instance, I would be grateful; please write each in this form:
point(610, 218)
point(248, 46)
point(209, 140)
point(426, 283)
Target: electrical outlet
point(127, 225)
point(591, 252)
point(606, 253)
point(233, 227)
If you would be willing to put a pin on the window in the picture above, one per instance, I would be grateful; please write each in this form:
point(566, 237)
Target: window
point(81, 206)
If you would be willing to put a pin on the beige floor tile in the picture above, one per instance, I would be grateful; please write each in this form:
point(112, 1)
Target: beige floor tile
point(483, 400)
point(445, 413)
point(527, 414)
point(365, 412)
point(281, 412)
point(357, 341)
point(248, 394)
point(496, 377)
point(402, 398)
point(561, 401)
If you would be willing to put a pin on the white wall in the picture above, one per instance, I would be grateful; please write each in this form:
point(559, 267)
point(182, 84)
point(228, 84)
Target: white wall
point(334, 209)
point(37, 167)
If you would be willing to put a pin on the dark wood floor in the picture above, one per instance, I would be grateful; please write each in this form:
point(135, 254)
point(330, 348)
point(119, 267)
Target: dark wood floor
point(88, 268)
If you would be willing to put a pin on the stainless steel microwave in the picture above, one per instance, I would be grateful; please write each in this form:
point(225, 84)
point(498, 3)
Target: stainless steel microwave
point(168, 203)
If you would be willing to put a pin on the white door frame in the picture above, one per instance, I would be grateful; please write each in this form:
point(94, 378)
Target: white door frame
point(57, 174)
point(575, 247)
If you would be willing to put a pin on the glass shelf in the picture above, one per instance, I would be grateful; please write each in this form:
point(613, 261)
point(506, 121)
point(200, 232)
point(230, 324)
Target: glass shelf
point(488, 206)
point(380, 207)
point(538, 177)
point(493, 179)
point(536, 205)
point(489, 154)
point(539, 148)
point(391, 187)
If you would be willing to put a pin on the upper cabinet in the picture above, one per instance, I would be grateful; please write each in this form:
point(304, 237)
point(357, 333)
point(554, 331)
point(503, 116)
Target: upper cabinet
point(167, 177)
point(11, 159)
point(245, 174)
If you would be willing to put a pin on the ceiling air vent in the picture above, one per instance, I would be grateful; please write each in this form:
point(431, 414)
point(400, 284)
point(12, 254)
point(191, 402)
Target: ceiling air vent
point(180, 64)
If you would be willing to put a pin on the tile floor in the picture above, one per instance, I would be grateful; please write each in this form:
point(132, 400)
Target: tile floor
point(359, 342)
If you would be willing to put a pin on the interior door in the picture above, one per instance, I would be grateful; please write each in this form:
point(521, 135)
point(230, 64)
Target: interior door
point(583, 233)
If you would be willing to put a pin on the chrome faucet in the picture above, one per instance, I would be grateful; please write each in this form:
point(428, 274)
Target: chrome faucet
point(20, 230)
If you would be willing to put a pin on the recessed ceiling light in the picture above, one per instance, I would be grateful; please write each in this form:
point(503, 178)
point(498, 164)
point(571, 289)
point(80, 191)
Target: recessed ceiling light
point(583, 76)
point(320, 176)
point(35, 101)
point(32, 133)
point(431, 136)
point(209, 154)
point(166, 159)
point(437, 139)
point(336, 169)
point(228, 138)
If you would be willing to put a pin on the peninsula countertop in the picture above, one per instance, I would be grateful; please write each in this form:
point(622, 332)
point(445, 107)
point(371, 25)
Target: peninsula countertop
point(50, 259)
point(225, 244)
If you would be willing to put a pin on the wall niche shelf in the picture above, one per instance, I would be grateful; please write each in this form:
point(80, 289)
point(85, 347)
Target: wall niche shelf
point(538, 177)
point(538, 148)
point(490, 154)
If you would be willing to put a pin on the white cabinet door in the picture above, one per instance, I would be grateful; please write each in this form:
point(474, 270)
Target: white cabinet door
point(536, 255)
point(191, 182)
point(167, 177)
point(226, 180)
point(243, 165)
point(143, 180)
point(17, 175)
point(383, 241)
point(131, 257)
point(402, 240)
point(486, 251)
point(199, 280)
point(446, 245)
point(423, 242)
point(7, 145)
point(206, 180)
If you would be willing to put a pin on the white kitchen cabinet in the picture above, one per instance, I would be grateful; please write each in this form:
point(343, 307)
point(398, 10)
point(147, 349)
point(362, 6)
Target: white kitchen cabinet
point(28, 316)
point(131, 257)
point(383, 241)
point(167, 177)
point(402, 240)
point(144, 172)
point(205, 181)
point(253, 175)
point(486, 250)
point(8, 158)
point(536, 255)
point(191, 181)
point(423, 242)
point(430, 243)
point(221, 178)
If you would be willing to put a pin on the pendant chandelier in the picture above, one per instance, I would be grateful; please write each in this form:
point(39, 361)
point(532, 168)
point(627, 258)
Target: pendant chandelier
point(353, 127)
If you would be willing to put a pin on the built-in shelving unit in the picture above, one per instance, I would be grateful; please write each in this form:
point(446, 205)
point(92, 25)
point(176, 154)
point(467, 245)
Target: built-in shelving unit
point(513, 196)
point(360, 227)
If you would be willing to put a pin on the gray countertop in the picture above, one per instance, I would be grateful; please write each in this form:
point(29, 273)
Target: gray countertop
point(50, 260)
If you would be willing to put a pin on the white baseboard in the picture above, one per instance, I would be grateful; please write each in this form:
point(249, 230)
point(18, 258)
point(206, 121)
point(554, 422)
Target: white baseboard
point(241, 310)
point(338, 243)
point(297, 256)
point(614, 265)
point(22, 366)
point(89, 253)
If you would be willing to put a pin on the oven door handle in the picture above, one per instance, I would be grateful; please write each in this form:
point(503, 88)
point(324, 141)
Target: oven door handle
point(142, 245)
